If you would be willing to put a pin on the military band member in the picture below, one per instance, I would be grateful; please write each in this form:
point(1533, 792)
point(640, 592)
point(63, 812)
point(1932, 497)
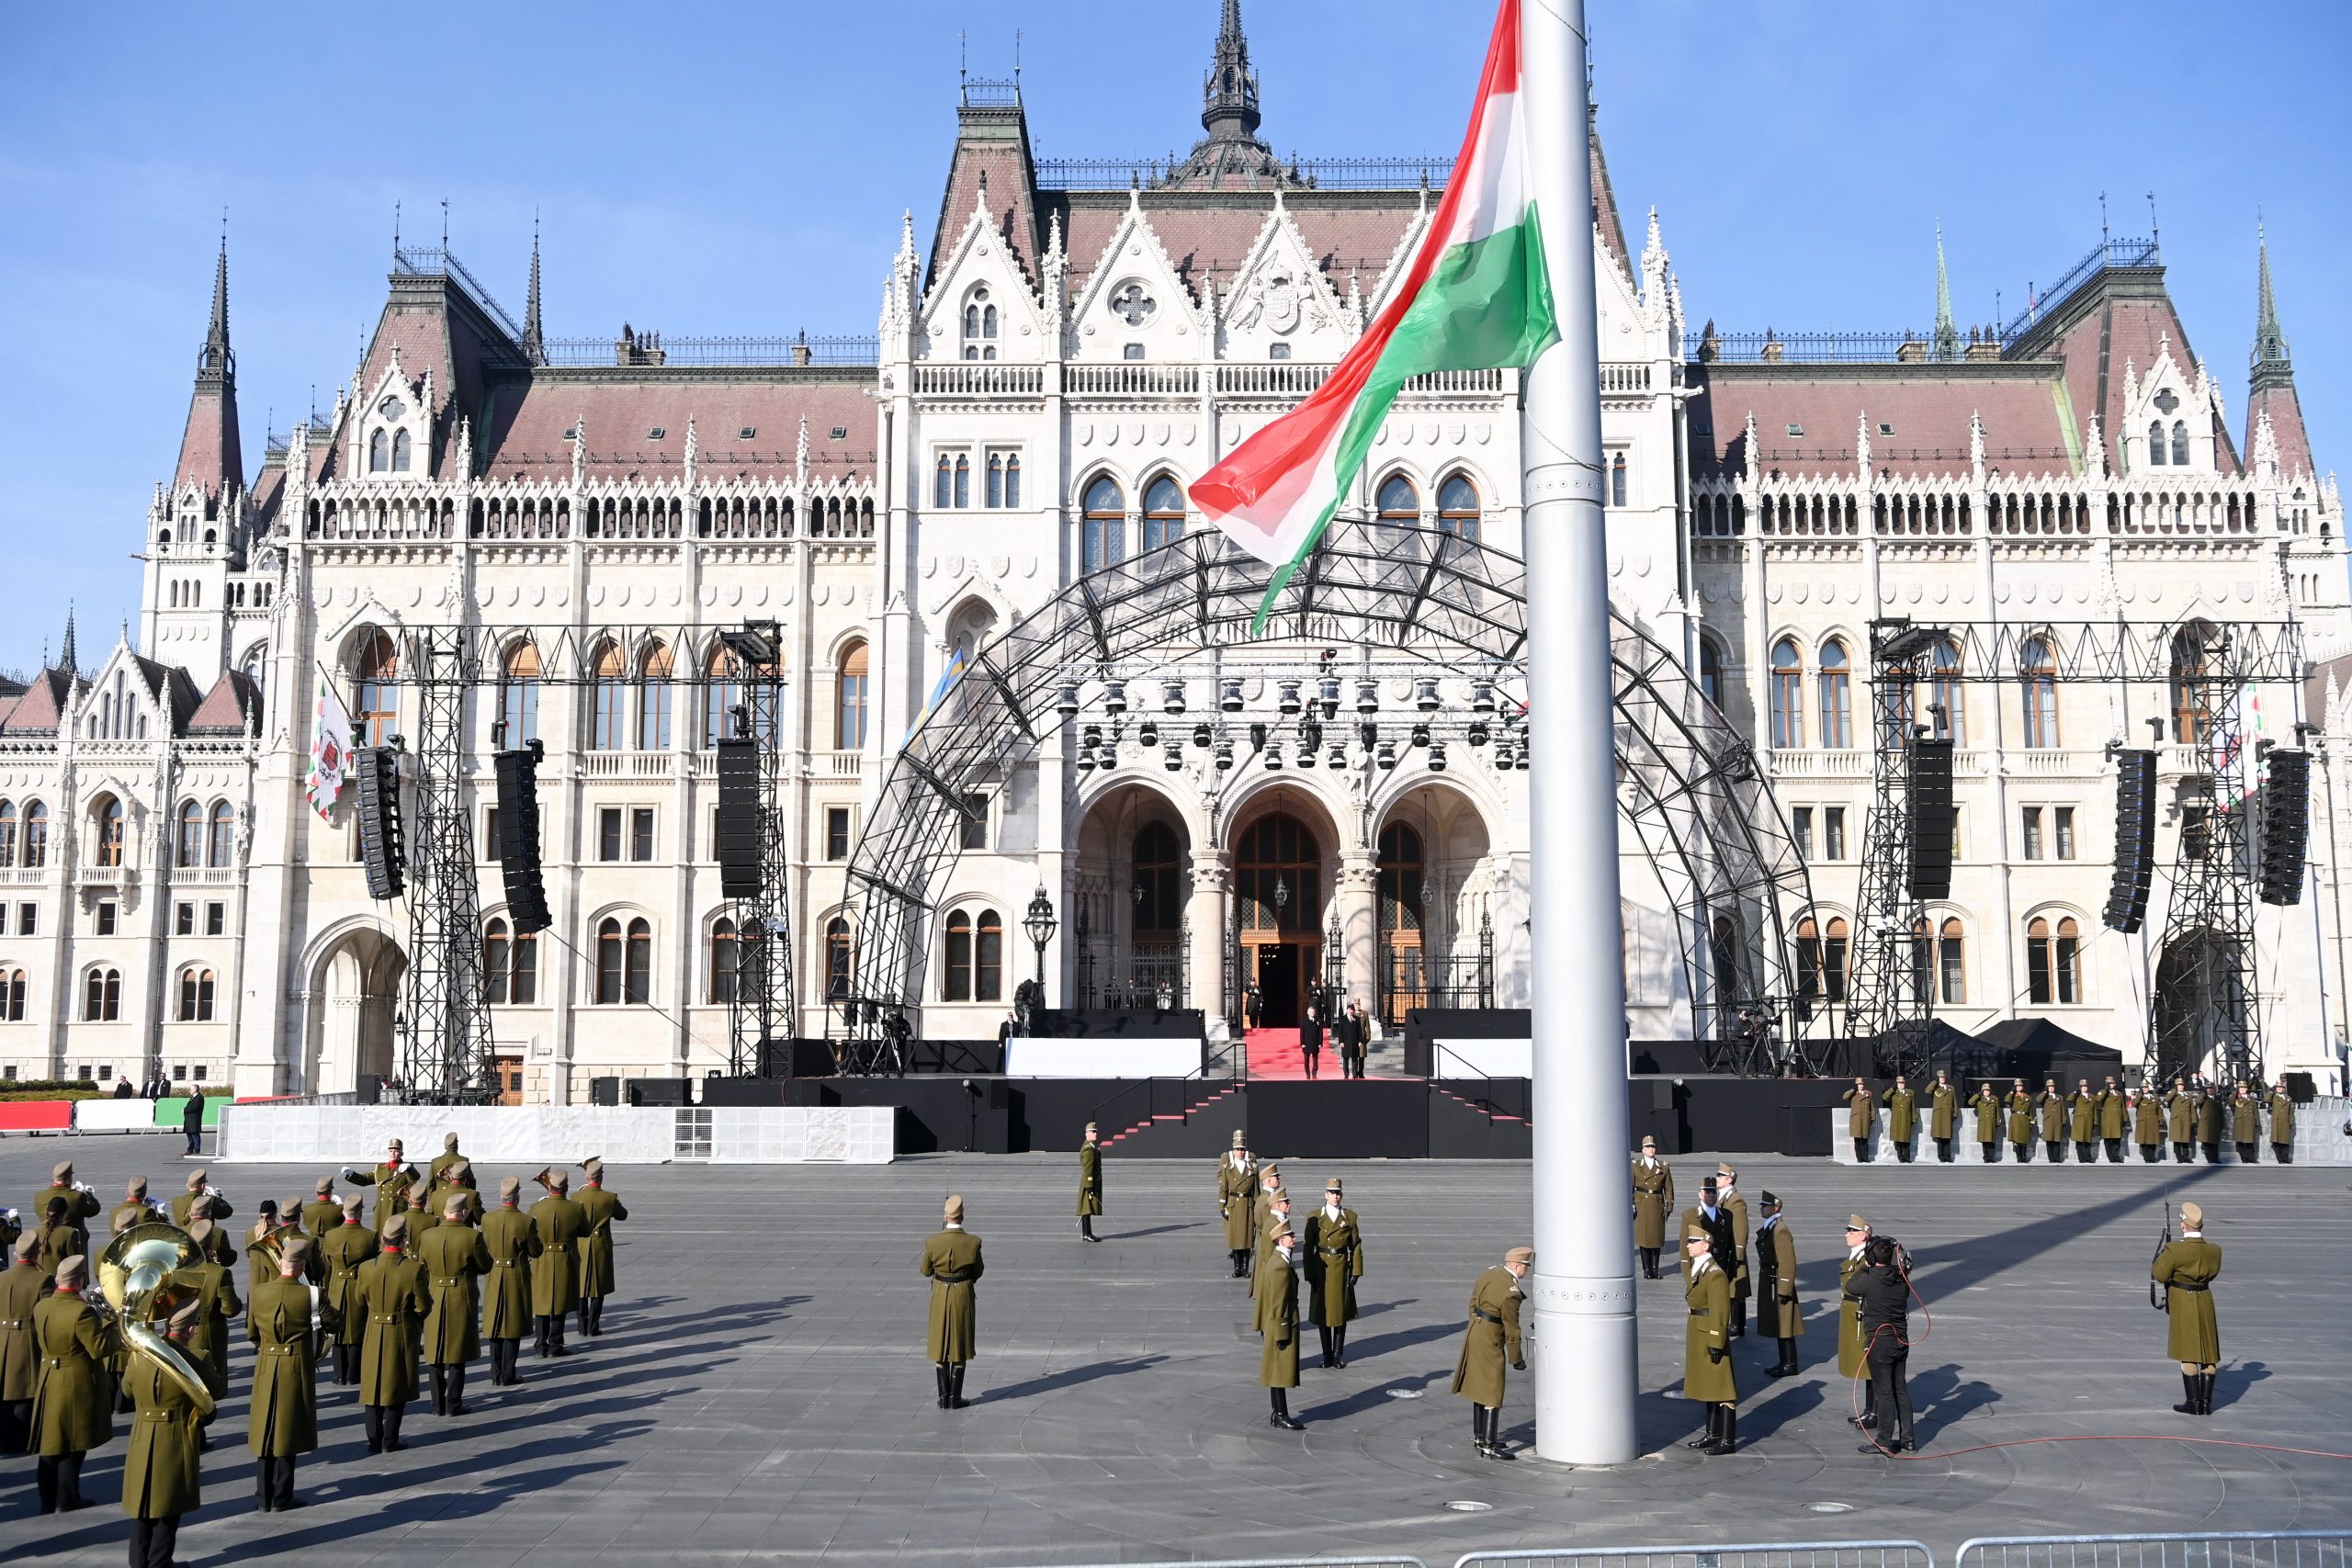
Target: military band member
point(324, 1212)
point(421, 1220)
point(2208, 1122)
point(2053, 1121)
point(263, 1253)
point(444, 1159)
point(345, 1248)
point(1237, 1203)
point(2112, 1120)
point(1990, 1114)
point(284, 1422)
point(1706, 1344)
point(2282, 1125)
point(511, 1240)
point(2186, 1269)
point(1943, 1115)
point(1778, 1316)
point(161, 1476)
point(555, 1279)
point(1735, 1207)
point(1853, 1359)
point(72, 1395)
point(1902, 1119)
point(1334, 1253)
point(1269, 1181)
point(2148, 1124)
point(1273, 1297)
point(1861, 1125)
point(952, 1262)
point(1090, 1184)
point(24, 1287)
point(199, 1185)
point(81, 1203)
point(2245, 1123)
point(1653, 1201)
point(2180, 1121)
point(389, 1179)
point(208, 1287)
point(134, 1209)
point(2082, 1117)
point(2020, 1128)
point(1491, 1340)
point(458, 1181)
point(596, 1271)
point(454, 1257)
point(392, 1301)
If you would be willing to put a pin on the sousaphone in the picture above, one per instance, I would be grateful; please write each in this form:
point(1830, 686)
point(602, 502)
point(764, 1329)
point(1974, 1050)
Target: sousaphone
point(135, 1275)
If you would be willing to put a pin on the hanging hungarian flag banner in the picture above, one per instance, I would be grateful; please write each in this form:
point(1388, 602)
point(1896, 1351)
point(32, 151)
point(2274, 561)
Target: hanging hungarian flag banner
point(330, 750)
point(1474, 297)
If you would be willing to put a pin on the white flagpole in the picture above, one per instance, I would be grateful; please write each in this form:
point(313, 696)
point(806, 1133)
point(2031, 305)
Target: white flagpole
point(1583, 1278)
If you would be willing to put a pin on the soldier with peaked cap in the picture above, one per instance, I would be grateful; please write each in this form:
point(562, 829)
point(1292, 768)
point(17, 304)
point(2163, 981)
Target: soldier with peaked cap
point(1709, 1215)
point(2148, 1124)
point(81, 1204)
point(421, 1219)
point(1852, 1351)
point(160, 1478)
point(199, 1185)
point(324, 1212)
point(1989, 1116)
point(2054, 1123)
point(134, 1209)
point(2020, 1128)
point(1270, 1183)
point(1903, 1118)
point(444, 1159)
point(2112, 1108)
point(263, 1252)
point(2186, 1269)
point(1653, 1200)
point(208, 1288)
point(1778, 1316)
point(1090, 1184)
point(2245, 1123)
point(596, 1275)
point(454, 1257)
point(1237, 1203)
point(1943, 1114)
point(390, 1178)
point(2282, 1125)
point(512, 1239)
point(1488, 1343)
point(284, 1422)
point(345, 1248)
point(24, 1287)
point(1275, 1212)
point(1333, 1248)
point(1861, 1121)
point(61, 1236)
point(555, 1283)
point(71, 1395)
point(456, 1181)
point(1735, 1207)
point(952, 1262)
point(393, 1300)
point(1706, 1344)
point(2082, 1118)
point(2208, 1122)
point(2180, 1121)
point(1273, 1299)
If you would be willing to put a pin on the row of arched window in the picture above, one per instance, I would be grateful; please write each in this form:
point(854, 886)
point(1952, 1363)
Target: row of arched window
point(195, 992)
point(1939, 959)
point(1723, 515)
point(24, 833)
point(951, 480)
point(602, 517)
point(206, 838)
point(1105, 508)
point(1398, 501)
point(2156, 444)
point(1943, 697)
point(621, 961)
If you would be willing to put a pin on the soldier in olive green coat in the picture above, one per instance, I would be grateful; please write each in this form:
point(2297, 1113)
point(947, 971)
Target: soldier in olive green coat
point(22, 1289)
point(1734, 1205)
point(1090, 1183)
point(1861, 1120)
point(454, 1257)
point(1489, 1342)
point(2082, 1119)
point(284, 1423)
point(1237, 1203)
point(555, 1283)
point(1653, 1201)
point(1943, 1115)
point(134, 1209)
point(2021, 1127)
point(1852, 1357)
point(2053, 1121)
point(393, 1300)
point(2186, 1269)
point(457, 1180)
point(2180, 1121)
point(2208, 1122)
point(160, 1476)
point(2282, 1126)
point(324, 1212)
point(1778, 1316)
point(512, 1240)
point(2112, 1120)
point(199, 1185)
point(1332, 1246)
point(2245, 1123)
point(346, 1247)
point(1273, 1297)
point(1903, 1118)
point(73, 1399)
point(447, 1156)
point(1989, 1116)
point(952, 1262)
point(207, 1286)
point(601, 1209)
point(80, 1206)
point(1706, 1346)
point(2148, 1124)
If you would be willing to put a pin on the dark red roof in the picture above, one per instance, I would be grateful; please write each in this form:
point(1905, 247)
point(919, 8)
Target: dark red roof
point(38, 711)
point(2286, 411)
point(230, 709)
point(211, 455)
point(1928, 405)
point(2123, 318)
point(521, 431)
point(1209, 234)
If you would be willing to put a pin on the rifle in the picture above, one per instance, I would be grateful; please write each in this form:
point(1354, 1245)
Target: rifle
point(2163, 1239)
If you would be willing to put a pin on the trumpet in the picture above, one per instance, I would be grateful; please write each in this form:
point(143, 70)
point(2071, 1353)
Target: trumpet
point(135, 1278)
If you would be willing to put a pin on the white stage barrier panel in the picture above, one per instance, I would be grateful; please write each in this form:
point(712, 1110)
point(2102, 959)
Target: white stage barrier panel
point(1483, 1058)
point(1043, 1058)
point(114, 1116)
point(563, 1134)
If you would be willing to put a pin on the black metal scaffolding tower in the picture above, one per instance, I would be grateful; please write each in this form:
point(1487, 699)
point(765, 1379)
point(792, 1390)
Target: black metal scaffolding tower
point(446, 1056)
point(1887, 998)
point(760, 1019)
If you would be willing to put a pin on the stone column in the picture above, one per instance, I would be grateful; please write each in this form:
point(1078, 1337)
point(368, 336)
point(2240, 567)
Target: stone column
point(1358, 908)
point(1205, 914)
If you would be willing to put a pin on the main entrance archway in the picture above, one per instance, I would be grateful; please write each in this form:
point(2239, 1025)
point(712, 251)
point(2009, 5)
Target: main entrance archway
point(1278, 899)
point(355, 988)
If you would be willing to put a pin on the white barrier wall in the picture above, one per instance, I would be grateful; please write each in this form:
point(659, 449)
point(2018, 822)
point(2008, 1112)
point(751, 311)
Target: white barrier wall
point(117, 1116)
point(2320, 1139)
point(564, 1134)
point(1048, 1059)
point(1483, 1058)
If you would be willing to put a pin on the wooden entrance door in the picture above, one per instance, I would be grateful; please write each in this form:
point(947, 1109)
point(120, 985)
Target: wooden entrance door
point(1278, 877)
point(508, 1071)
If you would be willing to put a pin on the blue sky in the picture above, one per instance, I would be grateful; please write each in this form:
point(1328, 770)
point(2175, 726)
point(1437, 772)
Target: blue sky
point(707, 169)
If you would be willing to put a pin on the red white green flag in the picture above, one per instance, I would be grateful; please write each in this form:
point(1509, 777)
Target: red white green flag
point(1474, 297)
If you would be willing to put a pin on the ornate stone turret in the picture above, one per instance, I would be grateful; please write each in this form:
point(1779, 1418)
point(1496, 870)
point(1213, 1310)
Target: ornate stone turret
point(534, 348)
point(1231, 156)
point(1947, 334)
point(2270, 384)
point(210, 457)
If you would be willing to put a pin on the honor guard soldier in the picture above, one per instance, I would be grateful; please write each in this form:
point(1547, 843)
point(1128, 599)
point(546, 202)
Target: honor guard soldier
point(1881, 1297)
point(1237, 1203)
point(1273, 1297)
point(345, 1248)
point(1653, 1201)
point(393, 1302)
point(161, 1475)
point(2112, 1120)
point(555, 1278)
point(1778, 1317)
point(199, 1185)
point(1735, 1207)
point(1491, 1340)
point(2282, 1125)
point(284, 1423)
point(444, 1159)
point(1706, 1344)
point(458, 1181)
point(1903, 1118)
point(1334, 1263)
point(1275, 1212)
point(71, 1412)
point(2082, 1118)
point(2208, 1122)
point(2148, 1124)
point(390, 1180)
point(2053, 1121)
point(1708, 1216)
point(2021, 1127)
point(511, 1240)
point(321, 1213)
point(134, 1209)
point(454, 1257)
point(2186, 1269)
point(262, 1254)
point(1943, 1115)
point(1090, 1184)
point(1852, 1346)
point(22, 1288)
point(952, 1262)
point(208, 1288)
point(1989, 1116)
point(596, 1271)
point(421, 1220)
point(2245, 1123)
point(1861, 1125)
point(81, 1203)
point(2180, 1121)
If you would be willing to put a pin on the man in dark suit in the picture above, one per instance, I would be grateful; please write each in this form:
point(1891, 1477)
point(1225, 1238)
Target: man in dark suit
point(1310, 1040)
point(1354, 1031)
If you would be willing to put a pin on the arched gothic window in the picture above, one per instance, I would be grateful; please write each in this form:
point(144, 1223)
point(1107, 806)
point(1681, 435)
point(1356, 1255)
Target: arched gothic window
point(956, 979)
point(2180, 443)
point(608, 719)
point(963, 481)
point(518, 697)
point(722, 960)
point(1012, 487)
point(1617, 479)
point(12, 996)
point(1952, 962)
point(2053, 960)
point(1788, 695)
point(377, 666)
point(102, 996)
point(2156, 444)
point(36, 834)
point(1837, 696)
point(722, 692)
point(379, 452)
point(8, 833)
point(220, 849)
point(841, 956)
point(624, 961)
point(942, 482)
point(106, 816)
point(1948, 692)
point(1105, 539)
point(1711, 670)
point(188, 844)
point(653, 698)
point(1457, 508)
point(399, 451)
point(2038, 692)
point(849, 705)
point(195, 995)
point(1163, 513)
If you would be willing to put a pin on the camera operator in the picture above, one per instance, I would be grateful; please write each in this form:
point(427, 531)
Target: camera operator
point(1883, 1295)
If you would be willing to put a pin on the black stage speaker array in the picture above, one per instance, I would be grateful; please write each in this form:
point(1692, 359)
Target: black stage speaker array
point(379, 811)
point(518, 840)
point(2286, 826)
point(2135, 841)
point(739, 818)
point(1929, 784)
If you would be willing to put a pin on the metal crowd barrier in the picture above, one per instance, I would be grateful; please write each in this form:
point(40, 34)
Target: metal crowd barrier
point(1394, 1561)
point(2261, 1549)
point(1786, 1554)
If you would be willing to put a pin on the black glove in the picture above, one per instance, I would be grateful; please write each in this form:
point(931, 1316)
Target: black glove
point(1518, 1366)
point(1715, 1354)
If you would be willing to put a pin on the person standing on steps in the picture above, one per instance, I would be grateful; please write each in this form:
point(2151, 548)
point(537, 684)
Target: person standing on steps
point(1943, 1115)
point(1334, 1250)
point(2186, 1269)
point(2020, 1128)
point(1778, 1316)
point(1090, 1184)
point(952, 1262)
point(1273, 1295)
point(1310, 1040)
point(1237, 1203)
point(1253, 1005)
point(1653, 1201)
point(1707, 1375)
point(1489, 1342)
point(1989, 1114)
point(1861, 1121)
point(1903, 1118)
point(1355, 1033)
point(2112, 1121)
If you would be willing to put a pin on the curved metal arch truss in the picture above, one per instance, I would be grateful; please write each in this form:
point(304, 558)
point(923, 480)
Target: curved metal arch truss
point(1699, 808)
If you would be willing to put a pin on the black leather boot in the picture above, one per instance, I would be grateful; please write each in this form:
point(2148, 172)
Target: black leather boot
point(1729, 1442)
point(1325, 1334)
point(45, 1480)
point(955, 1400)
point(2205, 1393)
point(1281, 1416)
point(265, 1484)
point(581, 1309)
point(1478, 1426)
point(1340, 1346)
point(1788, 1367)
point(457, 1390)
point(2188, 1382)
point(440, 1389)
point(939, 1373)
point(371, 1420)
point(392, 1413)
point(1496, 1447)
point(1705, 1441)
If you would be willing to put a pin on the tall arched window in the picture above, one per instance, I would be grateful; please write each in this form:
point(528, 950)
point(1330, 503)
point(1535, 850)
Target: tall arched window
point(12, 996)
point(497, 954)
point(102, 996)
point(722, 960)
point(608, 719)
point(195, 995)
point(399, 451)
point(963, 481)
point(987, 958)
point(2180, 443)
point(1163, 513)
point(2053, 960)
point(1457, 508)
point(1398, 501)
point(2156, 444)
point(518, 696)
point(1158, 888)
point(1946, 690)
point(1105, 542)
point(2037, 693)
point(377, 666)
point(220, 845)
point(1837, 696)
point(36, 834)
point(1012, 486)
point(379, 452)
point(2191, 694)
point(1952, 961)
point(187, 848)
point(849, 700)
point(653, 699)
point(639, 979)
point(624, 961)
point(942, 482)
point(840, 954)
point(1711, 670)
point(510, 967)
point(7, 832)
point(2067, 960)
point(1833, 949)
point(956, 982)
point(1617, 479)
point(1788, 695)
point(722, 692)
point(107, 818)
point(1809, 958)
point(996, 478)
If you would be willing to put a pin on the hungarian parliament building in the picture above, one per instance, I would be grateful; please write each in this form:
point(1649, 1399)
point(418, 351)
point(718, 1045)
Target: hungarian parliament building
point(1075, 343)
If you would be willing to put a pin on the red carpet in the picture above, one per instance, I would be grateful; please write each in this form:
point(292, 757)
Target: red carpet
point(1274, 1053)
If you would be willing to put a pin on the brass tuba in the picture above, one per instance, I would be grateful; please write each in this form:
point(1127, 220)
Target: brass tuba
point(135, 1275)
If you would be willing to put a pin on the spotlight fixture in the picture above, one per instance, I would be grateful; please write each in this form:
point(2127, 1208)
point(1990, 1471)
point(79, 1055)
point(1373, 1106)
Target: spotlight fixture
point(1437, 756)
point(1086, 760)
point(1367, 696)
point(1172, 758)
point(1289, 705)
point(1065, 701)
point(1425, 693)
point(1306, 755)
point(1108, 758)
point(1482, 697)
point(1478, 732)
point(1503, 757)
point(1420, 735)
point(1386, 757)
point(1311, 733)
point(1257, 737)
point(1367, 735)
point(1336, 758)
point(1224, 756)
point(1091, 737)
point(1525, 758)
point(1200, 734)
point(1273, 757)
point(1115, 697)
point(1228, 694)
point(1149, 733)
point(1329, 697)
point(1171, 697)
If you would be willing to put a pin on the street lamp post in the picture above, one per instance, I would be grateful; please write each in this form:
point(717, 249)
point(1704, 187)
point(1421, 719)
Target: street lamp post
point(1040, 924)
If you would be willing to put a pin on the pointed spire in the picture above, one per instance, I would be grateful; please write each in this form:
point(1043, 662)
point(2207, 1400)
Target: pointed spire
point(210, 457)
point(1947, 335)
point(2271, 362)
point(217, 359)
point(534, 348)
point(65, 654)
point(1229, 93)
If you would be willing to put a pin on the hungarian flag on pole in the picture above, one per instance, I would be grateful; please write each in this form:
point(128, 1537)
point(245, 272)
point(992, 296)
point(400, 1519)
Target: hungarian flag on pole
point(1474, 297)
point(330, 750)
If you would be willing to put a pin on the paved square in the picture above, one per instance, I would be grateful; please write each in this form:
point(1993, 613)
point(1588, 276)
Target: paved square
point(759, 1394)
